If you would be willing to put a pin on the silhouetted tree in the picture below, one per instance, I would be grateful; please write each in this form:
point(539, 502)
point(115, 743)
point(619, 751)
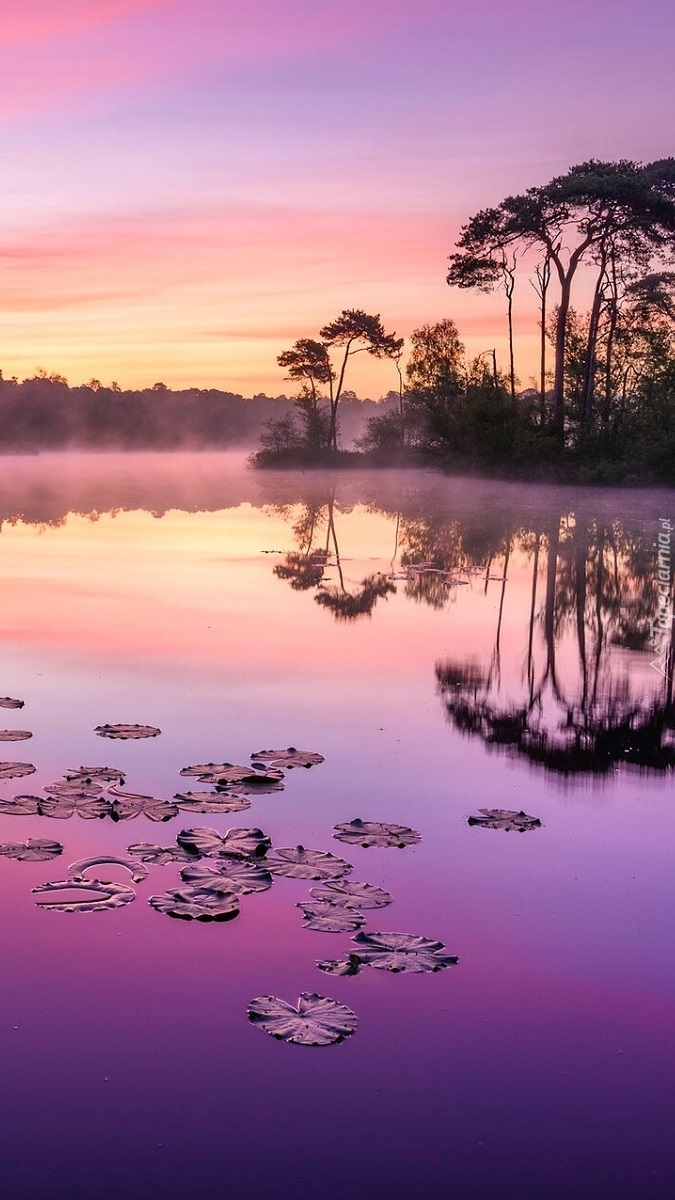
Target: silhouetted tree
point(597, 209)
point(354, 332)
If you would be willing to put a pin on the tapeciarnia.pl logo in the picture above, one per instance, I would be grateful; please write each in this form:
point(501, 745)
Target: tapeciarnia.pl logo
point(661, 625)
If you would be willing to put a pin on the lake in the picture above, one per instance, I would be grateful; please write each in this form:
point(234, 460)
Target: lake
point(447, 646)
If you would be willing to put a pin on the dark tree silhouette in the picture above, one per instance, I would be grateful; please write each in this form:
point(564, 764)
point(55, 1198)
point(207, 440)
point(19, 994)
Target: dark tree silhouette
point(596, 211)
point(354, 332)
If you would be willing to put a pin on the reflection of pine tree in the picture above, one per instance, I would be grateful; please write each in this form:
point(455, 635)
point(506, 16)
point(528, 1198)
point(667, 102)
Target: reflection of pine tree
point(346, 605)
point(600, 587)
point(304, 568)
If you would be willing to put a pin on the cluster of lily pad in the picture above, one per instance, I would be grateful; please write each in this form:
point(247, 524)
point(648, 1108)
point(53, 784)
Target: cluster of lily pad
point(217, 869)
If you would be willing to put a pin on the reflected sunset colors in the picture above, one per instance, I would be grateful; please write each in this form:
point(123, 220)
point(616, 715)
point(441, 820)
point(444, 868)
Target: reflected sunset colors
point(447, 645)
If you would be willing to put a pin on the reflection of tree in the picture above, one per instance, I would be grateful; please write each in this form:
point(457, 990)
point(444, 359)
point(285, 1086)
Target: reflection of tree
point(583, 700)
point(304, 568)
point(302, 571)
point(600, 589)
point(347, 606)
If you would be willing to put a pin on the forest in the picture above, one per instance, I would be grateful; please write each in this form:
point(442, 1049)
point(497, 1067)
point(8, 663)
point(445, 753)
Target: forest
point(45, 413)
point(597, 245)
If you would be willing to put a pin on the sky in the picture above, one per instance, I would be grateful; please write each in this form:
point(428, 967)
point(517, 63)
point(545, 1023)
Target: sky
point(191, 185)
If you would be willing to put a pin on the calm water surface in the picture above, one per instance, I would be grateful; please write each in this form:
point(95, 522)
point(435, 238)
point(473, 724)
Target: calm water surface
point(447, 646)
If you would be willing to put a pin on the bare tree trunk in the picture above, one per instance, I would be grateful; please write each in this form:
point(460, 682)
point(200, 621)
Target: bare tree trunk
point(593, 326)
point(565, 276)
point(613, 322)
point(509, 277)
point(560, 344)
point(541, 288)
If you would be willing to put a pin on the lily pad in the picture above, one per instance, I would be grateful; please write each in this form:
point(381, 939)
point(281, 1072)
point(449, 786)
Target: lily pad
point(136, 869)
point(126, 732)
point(14, 770)
point(197, 904)
point(128, 805)
point(376, 833)
point(20, 806)
point(503, 818)
point(102, 775)
point(85, 804)
point(14, 735)
point(255, 785)
point(227, 774)
point(346, 893)
point(330, 918)
point(316, 1021)
point(401, 952)
point(33, 850)
point(211, 802)
point(73, 789)
point(236, 843)
point(238, 875)
point(298, 863)
point(287, 759)
point(159, 855)
point(341, 966)
point(106, 895)
point(7, 702)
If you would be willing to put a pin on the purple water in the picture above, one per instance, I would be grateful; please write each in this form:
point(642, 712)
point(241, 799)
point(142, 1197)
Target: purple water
point(135, 589)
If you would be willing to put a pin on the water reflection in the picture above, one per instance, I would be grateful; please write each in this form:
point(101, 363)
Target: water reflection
point(315, 532)
point(584, 702)
point(548, 595)
point(593, 583)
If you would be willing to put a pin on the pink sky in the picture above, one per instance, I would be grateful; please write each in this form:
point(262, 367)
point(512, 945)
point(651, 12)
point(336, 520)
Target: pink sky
point(190, 187)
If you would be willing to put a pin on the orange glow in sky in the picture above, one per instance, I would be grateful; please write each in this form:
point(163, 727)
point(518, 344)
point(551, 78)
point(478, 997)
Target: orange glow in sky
point(191, 187)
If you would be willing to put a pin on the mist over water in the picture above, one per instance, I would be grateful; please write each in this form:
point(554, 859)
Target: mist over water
point(447, 645)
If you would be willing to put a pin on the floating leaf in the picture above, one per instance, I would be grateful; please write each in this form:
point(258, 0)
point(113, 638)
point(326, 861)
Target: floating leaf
point(125, 732)
point(33, 850)
point(376, 833)
point(298, 863)
point(7, 702)
point(211, 802)
point(317, 1021)
point(346, 893)
point(237, 875)
point(503, 818)
point(288, 758)
point(128, 805)
point(136, 869)
point(227, 774)
point(159, 855)
point(255, 785)
point(20, 806)
point(330, 918)
point(74, 789)
point(14, 770)
point(236, 843)
point(106, 895)
point(401, 952)
point(87, 805)
point(341, 966)
point(14, 735)
point(196, 904)
point(87, 775)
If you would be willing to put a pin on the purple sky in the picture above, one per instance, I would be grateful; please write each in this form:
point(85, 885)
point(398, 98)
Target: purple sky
point(189, 187)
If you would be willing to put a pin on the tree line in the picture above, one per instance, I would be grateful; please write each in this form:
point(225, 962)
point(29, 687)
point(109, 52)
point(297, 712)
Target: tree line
point(44, 413)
